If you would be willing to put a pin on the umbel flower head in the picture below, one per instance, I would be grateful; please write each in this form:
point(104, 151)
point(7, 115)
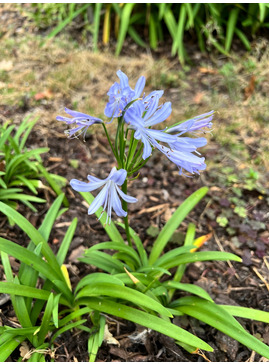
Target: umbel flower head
point(121, 94)
point(108, 197)
point(80, 120)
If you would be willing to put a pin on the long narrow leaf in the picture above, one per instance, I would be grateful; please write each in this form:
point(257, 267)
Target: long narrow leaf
point(248, 313)
point(231, 25)
point(8, 347)
point(98, 277)
point(129, 294)
point(62, 252)
point(34, 235)
point(125, 17)
point(200, 256)
point(173, 223)
point(145, 319)
point(220, 318)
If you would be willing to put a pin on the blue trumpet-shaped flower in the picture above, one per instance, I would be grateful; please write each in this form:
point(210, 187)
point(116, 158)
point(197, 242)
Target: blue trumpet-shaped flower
point(195, 124)
point(108, 197)
point(142, 116)
point(120, 94)
point(82, 122)
point(182, 151)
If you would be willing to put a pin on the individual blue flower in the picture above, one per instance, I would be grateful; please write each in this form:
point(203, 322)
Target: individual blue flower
point(183, 159)
point(108, 196)
point(82, 122)
point(142, 116)
point(195, 124)
point(121, 94)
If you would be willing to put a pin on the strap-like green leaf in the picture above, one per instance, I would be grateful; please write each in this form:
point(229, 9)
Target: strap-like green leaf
point(129, 294)
point(8, 347)
point(248, 313)
point(62, 252)
point(104, 261)
point(98, 277)
point(191, 288)
point(146, 320)
point(200, 257)
point(222, 320)
point(174, 222)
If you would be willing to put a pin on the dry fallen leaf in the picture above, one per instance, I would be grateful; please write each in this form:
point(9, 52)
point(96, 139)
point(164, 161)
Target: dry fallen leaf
point(25, 351)
point(198, 97)
point(250, 88)
point(109, 339)
point(47, 94)
point(208, 70)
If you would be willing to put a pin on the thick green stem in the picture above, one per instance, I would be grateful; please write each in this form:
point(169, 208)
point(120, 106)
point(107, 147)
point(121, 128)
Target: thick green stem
point(126, 221)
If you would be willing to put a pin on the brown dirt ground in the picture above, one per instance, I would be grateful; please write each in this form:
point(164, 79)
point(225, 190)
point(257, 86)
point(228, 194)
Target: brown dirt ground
point(41, 81)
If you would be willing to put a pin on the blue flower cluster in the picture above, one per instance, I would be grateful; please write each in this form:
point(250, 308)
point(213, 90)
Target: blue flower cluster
point(140, 113)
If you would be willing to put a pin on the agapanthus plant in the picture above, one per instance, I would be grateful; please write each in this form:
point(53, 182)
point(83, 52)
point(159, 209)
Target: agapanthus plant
point(137, 136)
point(138, 115)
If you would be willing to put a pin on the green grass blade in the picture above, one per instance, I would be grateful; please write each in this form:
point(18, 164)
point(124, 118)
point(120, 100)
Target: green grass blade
point(28, 184)
point(248, 313)
point(65, 22)
point(174, 222)
point(54, 185)
point(111, 229)
point(21, 158)
point(145, 319)
point(8, 347)
point(171, 23)
point(115, 246)
point(20, 307)
point(200, 256)
point(34, 235)
point(153, 38)
point(191, 288)
point(62, 252)
point(136, 37)
point(5, 136)
point(30, 258)
point(26, 133)
point(104, 261)
point(44, 328)
point(231, 25)
point(171, 254)
point(138, 243)
point(189, 239)
point(178, 40)
point(67, 328)
point(97, 16)
point(55, 310)
point(98, 278)
point(243, 38)
point(129, 294)
point(219, 318)
point(74, 315)
point(16, 289)
point(124, 24)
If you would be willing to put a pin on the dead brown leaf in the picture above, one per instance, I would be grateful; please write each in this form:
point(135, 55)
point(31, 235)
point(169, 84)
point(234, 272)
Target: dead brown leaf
point(208, 70)
point(198, 97)
point(47, 94)
point(250, 88)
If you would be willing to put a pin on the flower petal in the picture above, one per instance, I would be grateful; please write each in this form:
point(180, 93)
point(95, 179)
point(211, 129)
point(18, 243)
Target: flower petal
point(125, 197)
point(99, 200)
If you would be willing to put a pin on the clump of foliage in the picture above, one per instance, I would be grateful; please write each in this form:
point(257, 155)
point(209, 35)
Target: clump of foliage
point(213, 25)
